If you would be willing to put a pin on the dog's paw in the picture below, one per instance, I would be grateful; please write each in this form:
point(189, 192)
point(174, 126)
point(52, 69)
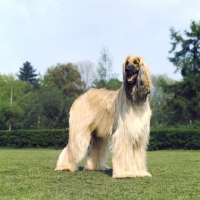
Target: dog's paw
point(96, 168)
point(66, 169)
point(124, 175)
point(143, 174)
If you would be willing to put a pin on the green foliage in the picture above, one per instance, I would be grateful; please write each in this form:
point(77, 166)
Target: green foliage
point(183, 107)
point(160, 138)
point(12, 92)
point(34, 138)
point(113, 84)
point(187, 60)
point(62, 84)
point(159, 99)
point(174, 138)
point(64, 77)
point(23, 106)
point(54, 106)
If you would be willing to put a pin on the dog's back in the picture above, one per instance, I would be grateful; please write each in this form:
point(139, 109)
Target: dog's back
point(94, 110)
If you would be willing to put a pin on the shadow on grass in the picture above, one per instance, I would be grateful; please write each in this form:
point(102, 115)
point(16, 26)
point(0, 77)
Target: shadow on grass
point(108, 172)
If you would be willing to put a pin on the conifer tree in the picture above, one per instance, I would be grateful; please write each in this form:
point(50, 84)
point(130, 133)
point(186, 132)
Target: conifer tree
point(184, 106)
point(187, 57)
point(27, 73)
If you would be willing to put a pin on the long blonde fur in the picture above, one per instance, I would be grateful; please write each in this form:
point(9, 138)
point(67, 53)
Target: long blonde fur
point(122, 117)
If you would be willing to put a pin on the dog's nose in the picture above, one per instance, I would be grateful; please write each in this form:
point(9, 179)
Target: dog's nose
point(128, 69)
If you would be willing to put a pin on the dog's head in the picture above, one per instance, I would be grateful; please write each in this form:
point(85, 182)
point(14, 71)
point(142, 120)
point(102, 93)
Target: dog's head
point(137, 82)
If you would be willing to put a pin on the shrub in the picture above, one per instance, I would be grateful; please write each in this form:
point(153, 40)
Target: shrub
point(174, 138)
point(160, 138)
point(34, 138)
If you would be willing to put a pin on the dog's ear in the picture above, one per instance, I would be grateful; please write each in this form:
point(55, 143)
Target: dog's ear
point(144, 84)
point(125, 62)
point(123, 67)
point(138, 61)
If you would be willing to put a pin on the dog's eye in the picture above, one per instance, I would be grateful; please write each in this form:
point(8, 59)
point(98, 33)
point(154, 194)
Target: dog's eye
point(126, 63)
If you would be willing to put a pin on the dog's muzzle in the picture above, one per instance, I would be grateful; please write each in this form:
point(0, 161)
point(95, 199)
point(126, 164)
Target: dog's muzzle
point(131, 73)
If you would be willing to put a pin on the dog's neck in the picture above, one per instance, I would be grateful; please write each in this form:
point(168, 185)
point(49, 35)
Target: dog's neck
point(134, 94)
point(130, 90)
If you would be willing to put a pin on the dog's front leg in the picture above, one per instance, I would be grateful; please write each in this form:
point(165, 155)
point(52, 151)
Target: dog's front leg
point(122, 156)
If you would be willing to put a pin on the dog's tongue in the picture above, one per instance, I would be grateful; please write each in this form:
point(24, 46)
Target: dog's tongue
point(131, 78)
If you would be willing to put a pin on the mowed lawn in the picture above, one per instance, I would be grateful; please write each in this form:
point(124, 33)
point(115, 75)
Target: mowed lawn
point(29, 174)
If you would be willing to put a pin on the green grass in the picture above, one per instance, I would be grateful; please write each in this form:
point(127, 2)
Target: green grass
point(29, 174)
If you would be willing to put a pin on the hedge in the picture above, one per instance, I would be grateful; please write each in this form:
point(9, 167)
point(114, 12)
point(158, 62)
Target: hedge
point(160, 138)
point(174, 138)
point(34, 138)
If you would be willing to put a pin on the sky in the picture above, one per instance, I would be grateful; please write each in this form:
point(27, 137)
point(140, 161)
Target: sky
point(47, 32)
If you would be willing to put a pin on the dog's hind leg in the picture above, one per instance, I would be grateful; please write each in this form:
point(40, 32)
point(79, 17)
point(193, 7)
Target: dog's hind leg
point(74, 152)
point(97, 154)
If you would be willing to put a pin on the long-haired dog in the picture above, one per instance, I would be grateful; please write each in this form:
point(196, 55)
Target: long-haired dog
point(122, 116)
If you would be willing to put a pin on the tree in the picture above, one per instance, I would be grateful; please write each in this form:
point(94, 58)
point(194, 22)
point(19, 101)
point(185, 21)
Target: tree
point(31, 108)
point(104, 69)
point(61, 85)
point(87, 71)
point(187, 59)
point(12, 91)
point(66, 78)
point(184, 106)
point(104, 66)
point(113, 84)
point(159, 99)
point(53, 108)
point(27, 74)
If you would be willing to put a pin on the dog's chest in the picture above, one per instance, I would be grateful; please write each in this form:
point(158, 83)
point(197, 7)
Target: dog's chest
point(135, 120)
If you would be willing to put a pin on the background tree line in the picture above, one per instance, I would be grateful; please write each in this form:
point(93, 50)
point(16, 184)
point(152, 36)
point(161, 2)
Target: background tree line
point(178, 102)
point(31, 101)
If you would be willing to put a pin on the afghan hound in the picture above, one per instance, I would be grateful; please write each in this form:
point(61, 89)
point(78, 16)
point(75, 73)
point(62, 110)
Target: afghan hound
point(122, 117)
